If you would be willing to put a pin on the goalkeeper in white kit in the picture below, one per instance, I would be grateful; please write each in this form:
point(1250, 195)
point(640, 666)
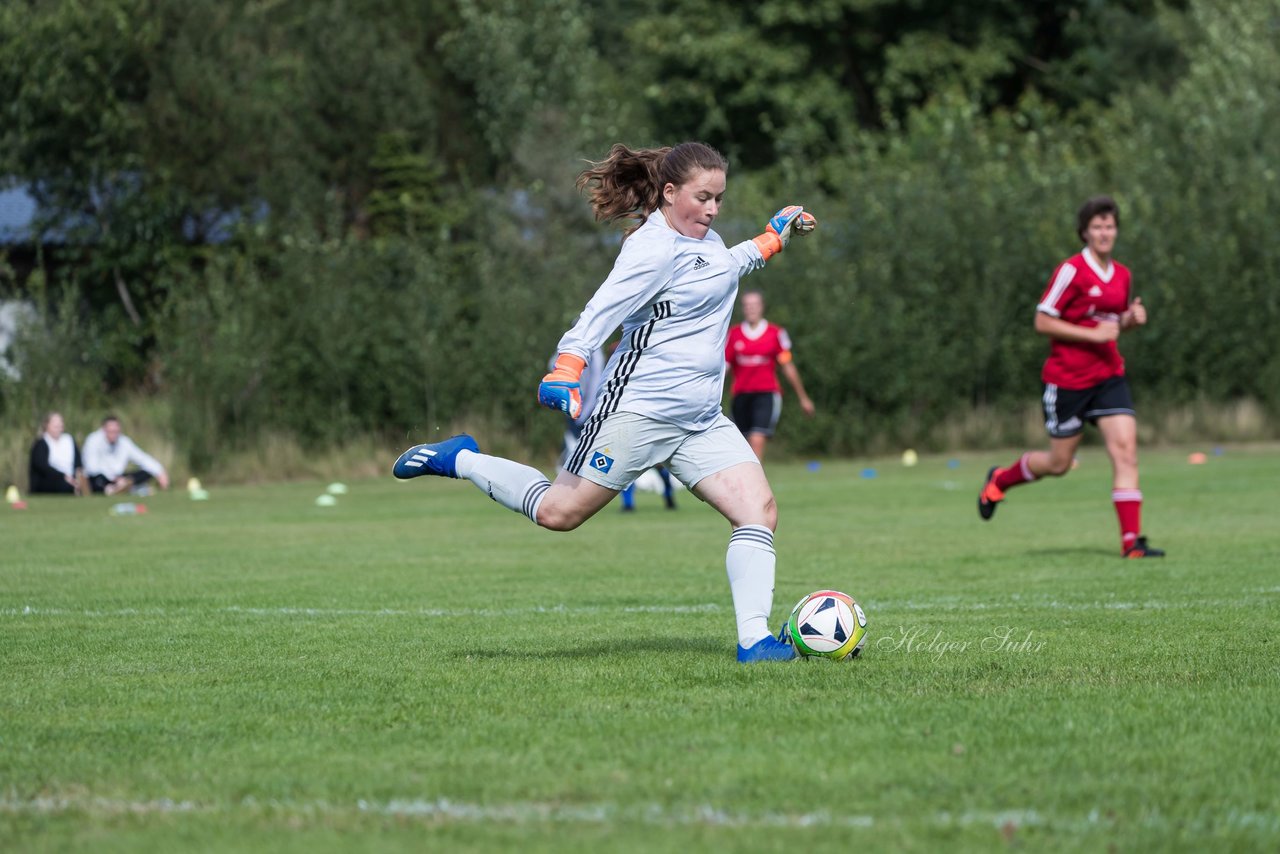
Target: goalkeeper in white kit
point(672, 290)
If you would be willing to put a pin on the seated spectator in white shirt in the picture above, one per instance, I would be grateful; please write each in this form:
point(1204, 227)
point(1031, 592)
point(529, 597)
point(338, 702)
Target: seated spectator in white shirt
point(107, 455)
point(55, 459)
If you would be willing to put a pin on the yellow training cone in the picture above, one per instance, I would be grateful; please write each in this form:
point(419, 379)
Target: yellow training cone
point(12, 495)
point(193, 485)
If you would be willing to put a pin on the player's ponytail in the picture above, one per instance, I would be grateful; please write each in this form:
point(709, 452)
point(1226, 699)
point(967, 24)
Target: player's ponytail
point(628, 183)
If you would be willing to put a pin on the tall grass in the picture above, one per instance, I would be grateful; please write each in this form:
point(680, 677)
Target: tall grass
point(279, 456)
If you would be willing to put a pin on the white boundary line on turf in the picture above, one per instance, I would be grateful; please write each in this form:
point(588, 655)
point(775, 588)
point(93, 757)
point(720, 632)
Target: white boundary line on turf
point(46, 805)
point(472, 612)
point(604, 813)
point(1017, 602)
point(286, 611)
point(1050, 605)
point(886, 605)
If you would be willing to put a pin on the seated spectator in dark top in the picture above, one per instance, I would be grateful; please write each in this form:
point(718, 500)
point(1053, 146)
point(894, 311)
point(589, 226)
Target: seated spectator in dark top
point(108, 454)
point(55, 459)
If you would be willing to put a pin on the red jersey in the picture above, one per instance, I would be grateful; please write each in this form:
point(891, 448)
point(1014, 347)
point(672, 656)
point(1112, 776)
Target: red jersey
point(752, 355)
point(1081, 292)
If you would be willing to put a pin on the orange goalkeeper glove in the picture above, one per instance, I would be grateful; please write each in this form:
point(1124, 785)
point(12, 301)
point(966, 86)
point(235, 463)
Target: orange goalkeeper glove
point(560, 388)
point(777, 234)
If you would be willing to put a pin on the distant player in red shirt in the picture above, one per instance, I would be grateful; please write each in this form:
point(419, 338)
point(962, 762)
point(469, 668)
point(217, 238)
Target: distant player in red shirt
point(1087, 305)
point(753, 349)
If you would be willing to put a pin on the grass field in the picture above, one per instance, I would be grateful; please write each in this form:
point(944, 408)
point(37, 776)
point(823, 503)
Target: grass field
point(417, 668)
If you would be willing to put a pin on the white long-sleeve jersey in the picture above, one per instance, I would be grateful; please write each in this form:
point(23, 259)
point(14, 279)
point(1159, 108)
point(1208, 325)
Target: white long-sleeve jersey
point(101, 457)
point(673, 296)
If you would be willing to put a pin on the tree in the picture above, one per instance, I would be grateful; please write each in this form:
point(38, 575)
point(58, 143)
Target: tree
point(780, 79)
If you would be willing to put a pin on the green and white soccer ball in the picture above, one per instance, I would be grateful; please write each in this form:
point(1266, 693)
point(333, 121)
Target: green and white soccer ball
point(828, 624)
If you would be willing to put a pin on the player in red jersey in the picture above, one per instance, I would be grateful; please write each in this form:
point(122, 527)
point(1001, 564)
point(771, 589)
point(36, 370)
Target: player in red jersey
point(753, 349)
point(1087, 305)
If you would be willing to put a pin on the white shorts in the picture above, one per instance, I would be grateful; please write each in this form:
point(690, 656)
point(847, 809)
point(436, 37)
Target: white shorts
point(623, 446)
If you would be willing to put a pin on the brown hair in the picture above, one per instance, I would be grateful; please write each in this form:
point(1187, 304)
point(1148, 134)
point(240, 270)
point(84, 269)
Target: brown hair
point(628, 183)
point(44, 422)
point(1097, 206)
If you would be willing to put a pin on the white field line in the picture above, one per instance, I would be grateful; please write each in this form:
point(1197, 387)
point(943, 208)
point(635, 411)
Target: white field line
point(287, 611)
point(605, 814)
point(1259, 596)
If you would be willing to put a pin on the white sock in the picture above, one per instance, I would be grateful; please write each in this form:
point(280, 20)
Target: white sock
point(513, 485)
point(750, 561)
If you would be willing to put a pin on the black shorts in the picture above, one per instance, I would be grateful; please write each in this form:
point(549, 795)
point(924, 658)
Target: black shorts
point(757, 412)
point(99, 482)
point(1067, 410)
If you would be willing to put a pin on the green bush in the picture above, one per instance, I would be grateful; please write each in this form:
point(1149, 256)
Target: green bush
point(329, 339)
point(426, 292)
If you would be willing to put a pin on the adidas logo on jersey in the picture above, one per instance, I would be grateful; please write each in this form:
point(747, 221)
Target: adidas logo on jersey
point(1095, 291)
point(700, 263)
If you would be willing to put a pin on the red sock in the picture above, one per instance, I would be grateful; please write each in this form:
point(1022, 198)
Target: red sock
point(1129, 512)
point(1015, 474)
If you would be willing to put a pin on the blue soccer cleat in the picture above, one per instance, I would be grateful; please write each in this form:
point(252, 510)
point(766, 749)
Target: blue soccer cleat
point(766, 649)
point(438, 458)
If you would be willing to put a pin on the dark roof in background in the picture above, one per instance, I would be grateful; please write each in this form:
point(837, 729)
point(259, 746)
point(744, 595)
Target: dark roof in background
point(17, 210)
